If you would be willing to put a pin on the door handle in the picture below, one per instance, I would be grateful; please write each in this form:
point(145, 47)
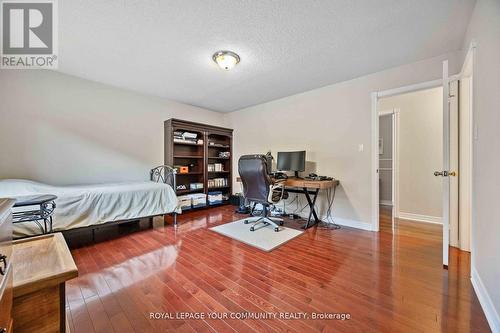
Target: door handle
point(438, 173)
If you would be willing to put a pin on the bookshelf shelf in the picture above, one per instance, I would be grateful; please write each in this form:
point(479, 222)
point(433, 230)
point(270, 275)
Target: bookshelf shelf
point(217, 187)
point(187, 143)
point(189, 191)
point(187, 156)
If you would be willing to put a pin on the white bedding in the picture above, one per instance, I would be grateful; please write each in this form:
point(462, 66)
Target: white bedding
point(85, 205)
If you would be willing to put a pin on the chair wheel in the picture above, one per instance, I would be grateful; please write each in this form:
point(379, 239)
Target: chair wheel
point(276, 229)
point(246, 221)
point(252, 229)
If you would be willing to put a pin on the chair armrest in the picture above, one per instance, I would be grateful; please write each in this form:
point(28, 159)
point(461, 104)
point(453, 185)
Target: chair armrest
point(277, 185)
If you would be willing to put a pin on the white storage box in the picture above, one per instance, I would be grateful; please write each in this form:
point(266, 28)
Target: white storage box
point(185, 202)
point(199, 200)
point(196, 186)
point(214, 197)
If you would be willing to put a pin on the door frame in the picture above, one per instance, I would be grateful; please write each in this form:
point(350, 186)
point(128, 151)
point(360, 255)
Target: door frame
point(471, 56)
point(395, 158)
point(375, 96)
point(394, 113)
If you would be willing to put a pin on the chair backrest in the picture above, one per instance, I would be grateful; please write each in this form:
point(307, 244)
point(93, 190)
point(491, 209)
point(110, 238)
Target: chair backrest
point(254, 176)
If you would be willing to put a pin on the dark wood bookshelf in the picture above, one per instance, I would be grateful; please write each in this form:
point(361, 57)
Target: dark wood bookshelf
point(197, 156)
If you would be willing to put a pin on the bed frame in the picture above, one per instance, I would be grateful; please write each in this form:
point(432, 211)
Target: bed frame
point(164, 174)
point(161, 174)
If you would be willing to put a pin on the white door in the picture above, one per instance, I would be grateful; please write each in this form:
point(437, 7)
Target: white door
point(448, 158)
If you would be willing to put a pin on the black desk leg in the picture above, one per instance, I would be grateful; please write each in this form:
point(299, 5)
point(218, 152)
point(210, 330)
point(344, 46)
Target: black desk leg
point(312, 205)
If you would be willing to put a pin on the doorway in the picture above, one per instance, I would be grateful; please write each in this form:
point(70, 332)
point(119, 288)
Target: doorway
point(457, 153)
point(410, 151)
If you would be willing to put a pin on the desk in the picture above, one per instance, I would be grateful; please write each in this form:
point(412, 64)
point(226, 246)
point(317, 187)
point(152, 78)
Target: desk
point(308, 188)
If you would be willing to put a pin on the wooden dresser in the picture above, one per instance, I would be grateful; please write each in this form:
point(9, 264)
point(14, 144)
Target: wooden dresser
point(6, 270)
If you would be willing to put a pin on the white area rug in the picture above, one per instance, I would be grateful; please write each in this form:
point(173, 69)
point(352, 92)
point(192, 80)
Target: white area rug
point(264, 237)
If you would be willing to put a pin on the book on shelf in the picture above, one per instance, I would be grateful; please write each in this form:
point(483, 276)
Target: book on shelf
point(215, 167)
point(219, 145)
point(217, 182)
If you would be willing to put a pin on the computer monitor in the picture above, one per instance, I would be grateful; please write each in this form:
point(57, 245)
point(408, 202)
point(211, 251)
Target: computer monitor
point(292, 161)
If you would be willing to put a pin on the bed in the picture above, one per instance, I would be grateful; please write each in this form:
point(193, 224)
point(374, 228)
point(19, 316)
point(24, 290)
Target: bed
point(90, 205)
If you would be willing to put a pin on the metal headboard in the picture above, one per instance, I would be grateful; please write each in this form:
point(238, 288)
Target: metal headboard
point(164, 174)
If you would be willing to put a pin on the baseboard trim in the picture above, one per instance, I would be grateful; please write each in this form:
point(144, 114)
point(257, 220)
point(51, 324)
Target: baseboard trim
point(489, 310)
point(385, 202)
point(344, 222)
point(420, 218)
point(353, 224)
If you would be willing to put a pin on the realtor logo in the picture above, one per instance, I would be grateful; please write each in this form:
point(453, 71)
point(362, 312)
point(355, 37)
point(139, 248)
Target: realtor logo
point(29, 34)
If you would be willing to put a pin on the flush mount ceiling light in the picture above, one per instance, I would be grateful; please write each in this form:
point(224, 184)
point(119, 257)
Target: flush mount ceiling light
point(226, 59)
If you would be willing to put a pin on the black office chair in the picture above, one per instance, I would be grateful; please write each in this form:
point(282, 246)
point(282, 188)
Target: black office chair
point(258, 187)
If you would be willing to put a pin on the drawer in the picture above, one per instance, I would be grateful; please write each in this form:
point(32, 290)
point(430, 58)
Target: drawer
point(6, 300)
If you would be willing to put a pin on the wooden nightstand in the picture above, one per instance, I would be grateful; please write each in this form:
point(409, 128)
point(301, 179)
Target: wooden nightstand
point(6, 270)
point(42, 265)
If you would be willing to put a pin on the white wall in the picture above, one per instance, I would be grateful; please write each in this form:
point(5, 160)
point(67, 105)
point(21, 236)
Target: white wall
point(484, 29)
point(420, 151)
point(330, 123)
point(64, 130)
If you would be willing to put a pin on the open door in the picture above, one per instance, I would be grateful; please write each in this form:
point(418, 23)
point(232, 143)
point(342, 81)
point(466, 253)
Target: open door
point(446, 172)
point(446, 164)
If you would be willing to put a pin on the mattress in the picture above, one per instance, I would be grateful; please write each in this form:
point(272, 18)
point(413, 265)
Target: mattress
point(86, 205)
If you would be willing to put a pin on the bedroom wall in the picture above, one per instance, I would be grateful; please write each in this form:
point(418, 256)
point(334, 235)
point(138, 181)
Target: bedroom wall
point(420, 152)
point(330, 123)
point(60, 129)
point(484, 30)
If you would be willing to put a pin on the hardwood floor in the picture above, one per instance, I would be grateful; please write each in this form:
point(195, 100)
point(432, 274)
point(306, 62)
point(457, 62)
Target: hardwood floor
point(386, 282)
point(409, 228)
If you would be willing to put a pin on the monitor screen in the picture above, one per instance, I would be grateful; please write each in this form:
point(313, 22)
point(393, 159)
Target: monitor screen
point(292, 161)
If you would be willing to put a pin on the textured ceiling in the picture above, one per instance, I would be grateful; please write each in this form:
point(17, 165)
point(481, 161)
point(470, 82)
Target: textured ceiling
point(164, 47)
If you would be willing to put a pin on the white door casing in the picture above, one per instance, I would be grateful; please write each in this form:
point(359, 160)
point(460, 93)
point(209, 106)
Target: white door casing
point(454, 164)
point(446, 164)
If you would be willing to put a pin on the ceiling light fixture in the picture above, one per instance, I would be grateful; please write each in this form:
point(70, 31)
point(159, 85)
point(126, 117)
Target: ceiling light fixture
point(226, 59)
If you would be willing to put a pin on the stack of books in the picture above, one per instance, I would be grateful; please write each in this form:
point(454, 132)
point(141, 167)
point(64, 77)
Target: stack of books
point(187, 137)
point(216, 167)
point(217, 182)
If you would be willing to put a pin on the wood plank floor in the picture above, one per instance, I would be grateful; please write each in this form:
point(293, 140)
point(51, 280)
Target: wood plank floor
point(386, 282)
